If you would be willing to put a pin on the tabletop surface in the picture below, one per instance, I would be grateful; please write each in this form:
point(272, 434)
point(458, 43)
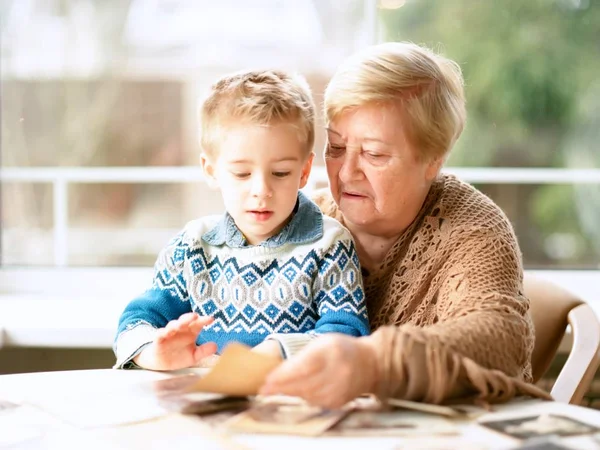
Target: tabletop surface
point(115, 409)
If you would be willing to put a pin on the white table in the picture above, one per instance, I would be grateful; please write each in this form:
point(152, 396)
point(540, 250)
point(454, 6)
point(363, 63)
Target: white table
point(88, 409)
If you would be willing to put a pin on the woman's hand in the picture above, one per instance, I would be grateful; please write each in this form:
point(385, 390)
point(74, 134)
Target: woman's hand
point(175, 345)
point(270, 348)
point(330, 371)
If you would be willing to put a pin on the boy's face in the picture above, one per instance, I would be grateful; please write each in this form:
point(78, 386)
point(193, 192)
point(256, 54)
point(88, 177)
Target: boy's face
point(259, 170)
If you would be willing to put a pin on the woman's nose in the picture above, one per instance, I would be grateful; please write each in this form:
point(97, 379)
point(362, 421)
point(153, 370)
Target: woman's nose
point(350, 170)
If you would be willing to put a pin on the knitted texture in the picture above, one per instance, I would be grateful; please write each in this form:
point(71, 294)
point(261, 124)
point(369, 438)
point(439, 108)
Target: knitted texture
point(252, 292)
point(453, 282)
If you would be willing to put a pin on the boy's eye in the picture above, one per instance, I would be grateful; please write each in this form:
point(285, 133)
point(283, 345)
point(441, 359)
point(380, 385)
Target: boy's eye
point(240, 175)
point(281, 174)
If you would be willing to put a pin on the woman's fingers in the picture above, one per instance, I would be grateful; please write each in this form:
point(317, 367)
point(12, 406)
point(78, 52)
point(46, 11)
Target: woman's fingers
point(302, 387)
point(329, 372)
point(292, 377)
point(292, 370)
point(316, 390)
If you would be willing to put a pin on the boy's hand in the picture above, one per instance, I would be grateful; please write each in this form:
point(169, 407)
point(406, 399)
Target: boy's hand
point(175, 345)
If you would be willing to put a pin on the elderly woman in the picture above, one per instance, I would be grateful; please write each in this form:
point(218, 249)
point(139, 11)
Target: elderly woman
point(441, 264)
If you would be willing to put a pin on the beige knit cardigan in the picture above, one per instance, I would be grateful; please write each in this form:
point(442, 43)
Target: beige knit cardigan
point(447, 302)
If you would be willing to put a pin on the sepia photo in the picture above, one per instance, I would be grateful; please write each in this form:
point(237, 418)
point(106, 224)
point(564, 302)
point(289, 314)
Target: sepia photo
point(545, 424)
point(395, 422)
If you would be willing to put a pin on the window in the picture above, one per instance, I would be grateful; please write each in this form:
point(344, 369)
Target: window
point(531, 72)
point(99, 152)
point(100, 156)
point(99, 160)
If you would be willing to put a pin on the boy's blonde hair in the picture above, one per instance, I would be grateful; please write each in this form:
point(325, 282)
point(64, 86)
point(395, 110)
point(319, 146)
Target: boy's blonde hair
point(428, 87)
point(261, 97)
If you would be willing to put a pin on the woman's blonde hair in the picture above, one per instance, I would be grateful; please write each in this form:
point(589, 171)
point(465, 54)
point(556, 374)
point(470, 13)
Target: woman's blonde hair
point(428, 87)
point(259, 97)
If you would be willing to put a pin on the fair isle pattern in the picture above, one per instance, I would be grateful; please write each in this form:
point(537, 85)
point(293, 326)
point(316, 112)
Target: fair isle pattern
point(300, 283)
point(310, 286)
point(250, 300)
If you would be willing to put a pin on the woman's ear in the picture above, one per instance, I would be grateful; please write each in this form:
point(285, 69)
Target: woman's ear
point(433, 168)
point(209, 171)
point(306, 170)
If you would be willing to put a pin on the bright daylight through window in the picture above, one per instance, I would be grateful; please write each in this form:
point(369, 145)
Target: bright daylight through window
point(99, 163)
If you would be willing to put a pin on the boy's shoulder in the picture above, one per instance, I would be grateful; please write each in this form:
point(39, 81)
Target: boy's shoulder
point(193, 231)
point(334, 230)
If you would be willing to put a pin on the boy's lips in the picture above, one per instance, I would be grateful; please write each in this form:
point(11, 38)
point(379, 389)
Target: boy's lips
point(260, 215)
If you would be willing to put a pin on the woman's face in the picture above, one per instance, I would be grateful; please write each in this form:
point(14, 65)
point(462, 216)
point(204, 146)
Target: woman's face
point(375, 176)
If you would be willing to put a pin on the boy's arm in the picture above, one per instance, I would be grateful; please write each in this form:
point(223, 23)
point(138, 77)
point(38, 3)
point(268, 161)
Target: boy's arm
point(339, 297)
point(166, 300)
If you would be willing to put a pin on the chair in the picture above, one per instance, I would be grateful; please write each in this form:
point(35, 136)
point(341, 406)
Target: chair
point(552, 308)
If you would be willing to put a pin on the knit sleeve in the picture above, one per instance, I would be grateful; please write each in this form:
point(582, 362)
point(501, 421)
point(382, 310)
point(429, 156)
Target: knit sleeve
point(338, 295)
point(483, 333)
point(166, 300)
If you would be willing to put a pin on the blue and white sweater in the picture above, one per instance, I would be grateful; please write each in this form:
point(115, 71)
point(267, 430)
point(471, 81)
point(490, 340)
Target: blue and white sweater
point(304, 281)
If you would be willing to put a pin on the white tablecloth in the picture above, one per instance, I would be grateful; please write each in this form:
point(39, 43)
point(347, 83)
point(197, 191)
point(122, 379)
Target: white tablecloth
point(114, 409)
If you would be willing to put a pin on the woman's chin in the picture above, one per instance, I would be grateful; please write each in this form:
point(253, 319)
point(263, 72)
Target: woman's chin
point(356, 213)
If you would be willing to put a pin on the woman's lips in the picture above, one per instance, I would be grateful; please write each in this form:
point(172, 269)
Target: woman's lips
point(261, 216)
point(353, 195)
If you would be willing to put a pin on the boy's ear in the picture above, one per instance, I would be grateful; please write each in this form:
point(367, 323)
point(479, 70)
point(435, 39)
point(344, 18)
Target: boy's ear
point(209, 171)
point(306, 170)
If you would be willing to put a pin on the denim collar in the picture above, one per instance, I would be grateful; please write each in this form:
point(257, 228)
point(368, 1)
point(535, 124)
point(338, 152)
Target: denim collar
point(306, 226)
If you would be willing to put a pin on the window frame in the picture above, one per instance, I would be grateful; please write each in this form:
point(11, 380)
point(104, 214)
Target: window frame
point(61, 178)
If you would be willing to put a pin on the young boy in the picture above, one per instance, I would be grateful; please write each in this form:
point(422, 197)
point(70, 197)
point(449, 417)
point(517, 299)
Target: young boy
point(272, 266)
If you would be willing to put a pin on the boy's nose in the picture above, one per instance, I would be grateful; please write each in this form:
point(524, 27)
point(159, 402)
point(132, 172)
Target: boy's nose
point(261, 187)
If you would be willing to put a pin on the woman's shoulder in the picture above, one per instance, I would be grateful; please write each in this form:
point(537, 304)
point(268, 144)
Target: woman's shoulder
point(325, 202)
point(466, 208)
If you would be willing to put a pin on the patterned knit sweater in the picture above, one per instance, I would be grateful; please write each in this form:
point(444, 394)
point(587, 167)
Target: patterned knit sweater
point(447, 301)
point(306, 279)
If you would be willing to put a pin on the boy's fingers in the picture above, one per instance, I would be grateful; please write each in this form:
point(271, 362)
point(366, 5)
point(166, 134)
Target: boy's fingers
point(199, 323)
point(172, 326)
point(204, 351)
point(204, 320)
point(160, 334)
point(187, 318)
point(177, 340)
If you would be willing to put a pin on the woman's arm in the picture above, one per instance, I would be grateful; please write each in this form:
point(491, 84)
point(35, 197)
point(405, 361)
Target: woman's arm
point(483, 323)
point(482, 311)
point(480, 345)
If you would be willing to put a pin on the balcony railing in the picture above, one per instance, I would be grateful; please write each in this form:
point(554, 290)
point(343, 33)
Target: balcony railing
point(61, 178)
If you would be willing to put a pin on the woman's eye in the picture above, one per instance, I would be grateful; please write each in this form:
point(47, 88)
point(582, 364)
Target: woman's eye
point(240, 175)
point(376, 158)
point(334, 150)
point(281, 174)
